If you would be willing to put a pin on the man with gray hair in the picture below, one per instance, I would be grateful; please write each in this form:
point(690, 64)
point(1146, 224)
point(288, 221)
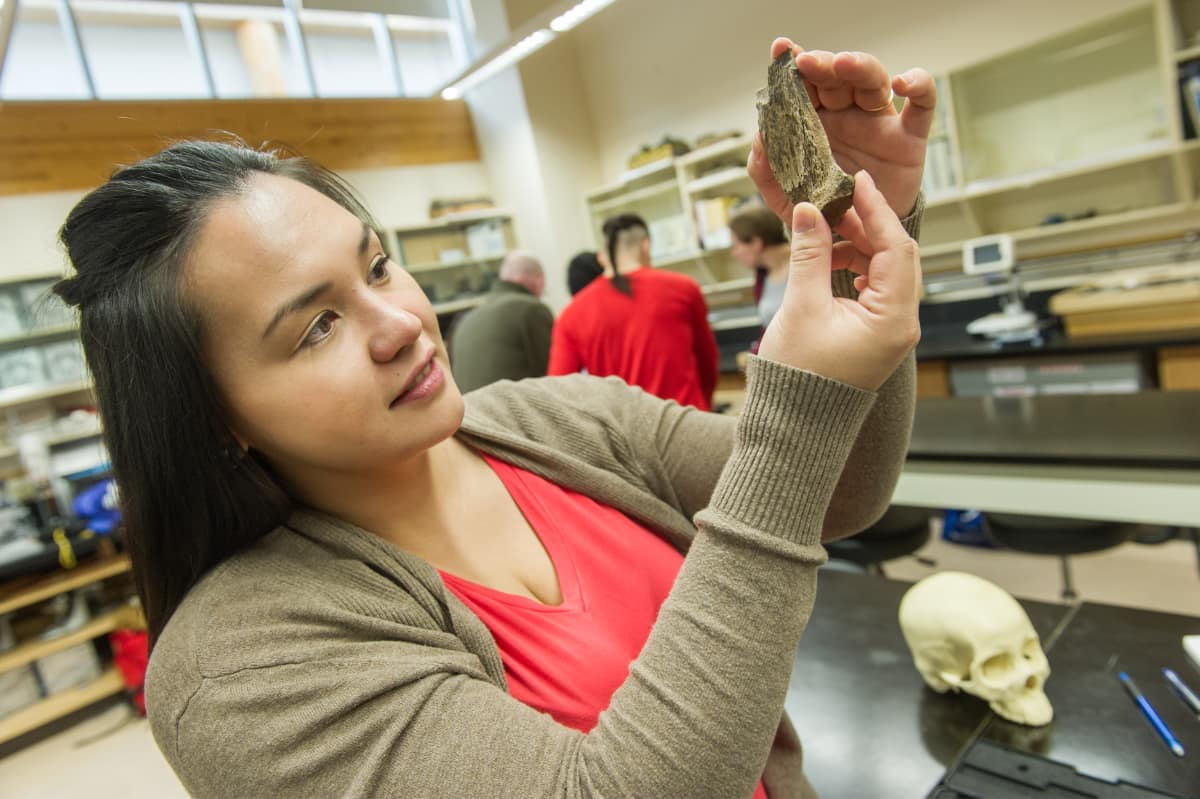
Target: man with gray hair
point(508, 336)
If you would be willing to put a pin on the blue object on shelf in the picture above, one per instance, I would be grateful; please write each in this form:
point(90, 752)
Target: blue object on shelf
point(98, 505)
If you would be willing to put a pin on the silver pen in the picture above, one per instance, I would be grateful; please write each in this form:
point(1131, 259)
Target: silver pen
point(1186, 694)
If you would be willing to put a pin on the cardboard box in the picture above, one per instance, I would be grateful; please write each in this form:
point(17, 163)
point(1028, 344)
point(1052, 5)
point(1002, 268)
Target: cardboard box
point(18, 690)
point(64, 362)
point(22, 367)
point(70, 668)
point(933, 379)
point(1157, 300)
point(1179, 368)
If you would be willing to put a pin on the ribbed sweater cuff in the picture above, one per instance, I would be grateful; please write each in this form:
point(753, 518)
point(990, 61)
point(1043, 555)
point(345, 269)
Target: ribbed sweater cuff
point(793, 438)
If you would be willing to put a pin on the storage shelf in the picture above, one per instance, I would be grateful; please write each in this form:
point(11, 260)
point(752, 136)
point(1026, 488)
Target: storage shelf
point(457, 305)
point(1188, 54)
point(943, 198)
point(1145, 151)
point(665, 187)
point(716, 149)
point(452, 221)
point(23, 395)
point(632, 176)
point(991, 186)
point(1044, 232)
point(59, 705)
point(34, 278)
point(436, 266)
point(35, 336)
point(35, 650)
point(684, 257)
point(737, 322)
point(728, 286)
point(20, 593)
point(678, 258)
point(71, 438)
point(725, 177)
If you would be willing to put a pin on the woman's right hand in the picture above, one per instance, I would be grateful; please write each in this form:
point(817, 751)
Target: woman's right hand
point(856, 341)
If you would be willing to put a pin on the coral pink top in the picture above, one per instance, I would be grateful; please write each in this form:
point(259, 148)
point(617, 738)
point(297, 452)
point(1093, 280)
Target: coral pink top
point(567, 660)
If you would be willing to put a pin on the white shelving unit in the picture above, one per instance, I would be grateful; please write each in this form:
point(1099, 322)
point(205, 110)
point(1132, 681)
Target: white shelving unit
point(454, 265)
point(25, 395)
point(38, 336)
point(667, 193)
point(28, 592)
point(1093, 146)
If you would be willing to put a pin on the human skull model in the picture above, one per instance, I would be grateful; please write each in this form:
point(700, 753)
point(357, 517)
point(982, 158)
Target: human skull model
point(967, 634)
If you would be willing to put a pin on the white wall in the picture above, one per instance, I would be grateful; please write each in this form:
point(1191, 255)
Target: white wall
point(567, 156)
point(646, 73)
point(396, 196)
point(526, 166)
point(399, 196)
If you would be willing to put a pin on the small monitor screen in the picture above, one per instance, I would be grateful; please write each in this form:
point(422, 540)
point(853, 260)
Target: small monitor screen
point(987, 253)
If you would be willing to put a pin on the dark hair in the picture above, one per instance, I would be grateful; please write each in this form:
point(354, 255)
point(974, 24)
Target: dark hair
point(190, 497)
point(613, 228)
point(758, 222)
point(582, 270)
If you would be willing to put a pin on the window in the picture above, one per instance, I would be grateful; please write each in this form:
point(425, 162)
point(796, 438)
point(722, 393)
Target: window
point(127, 49)
point(41, 63)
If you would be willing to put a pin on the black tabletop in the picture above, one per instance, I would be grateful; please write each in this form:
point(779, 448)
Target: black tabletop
point(951, 341)
point(869, 725)
point(1097, 728)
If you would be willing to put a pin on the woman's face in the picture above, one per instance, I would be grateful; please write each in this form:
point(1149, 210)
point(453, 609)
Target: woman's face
point(749, 253)
point(327, 354)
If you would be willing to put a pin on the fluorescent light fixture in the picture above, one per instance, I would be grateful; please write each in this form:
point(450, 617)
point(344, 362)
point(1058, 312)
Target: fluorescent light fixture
point(573, 16)
point(534, 35)
point(530, 44)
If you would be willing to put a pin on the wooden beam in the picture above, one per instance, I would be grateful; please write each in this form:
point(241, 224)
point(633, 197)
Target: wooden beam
point(52, 146)
point(259, 46)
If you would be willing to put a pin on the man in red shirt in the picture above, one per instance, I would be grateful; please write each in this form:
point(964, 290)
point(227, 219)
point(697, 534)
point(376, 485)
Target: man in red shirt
point(647, 326)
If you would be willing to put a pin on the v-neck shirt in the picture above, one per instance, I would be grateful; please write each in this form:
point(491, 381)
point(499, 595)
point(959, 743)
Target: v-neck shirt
point(566, 660)
point(613, 574)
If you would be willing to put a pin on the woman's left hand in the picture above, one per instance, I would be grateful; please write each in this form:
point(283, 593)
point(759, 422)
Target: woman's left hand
point(852, 94)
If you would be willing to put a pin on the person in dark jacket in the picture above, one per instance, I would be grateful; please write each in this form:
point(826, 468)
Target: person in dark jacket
point(508, 336)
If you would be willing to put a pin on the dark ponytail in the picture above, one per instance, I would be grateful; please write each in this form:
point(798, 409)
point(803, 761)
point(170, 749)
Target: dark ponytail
point(613, 228)
point(190, 497)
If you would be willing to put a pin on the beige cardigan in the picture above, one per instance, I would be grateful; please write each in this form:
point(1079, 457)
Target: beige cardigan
point(324, 662)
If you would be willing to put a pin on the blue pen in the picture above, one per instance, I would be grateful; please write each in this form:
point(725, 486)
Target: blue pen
point(1186, 694)
point(1149, 713)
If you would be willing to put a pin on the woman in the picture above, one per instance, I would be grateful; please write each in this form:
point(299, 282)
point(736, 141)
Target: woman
point(359, 585)
point(760, 244)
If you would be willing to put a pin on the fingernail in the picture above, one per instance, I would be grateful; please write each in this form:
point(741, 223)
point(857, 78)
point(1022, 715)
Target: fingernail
point(804, 218)
point(862, 174)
